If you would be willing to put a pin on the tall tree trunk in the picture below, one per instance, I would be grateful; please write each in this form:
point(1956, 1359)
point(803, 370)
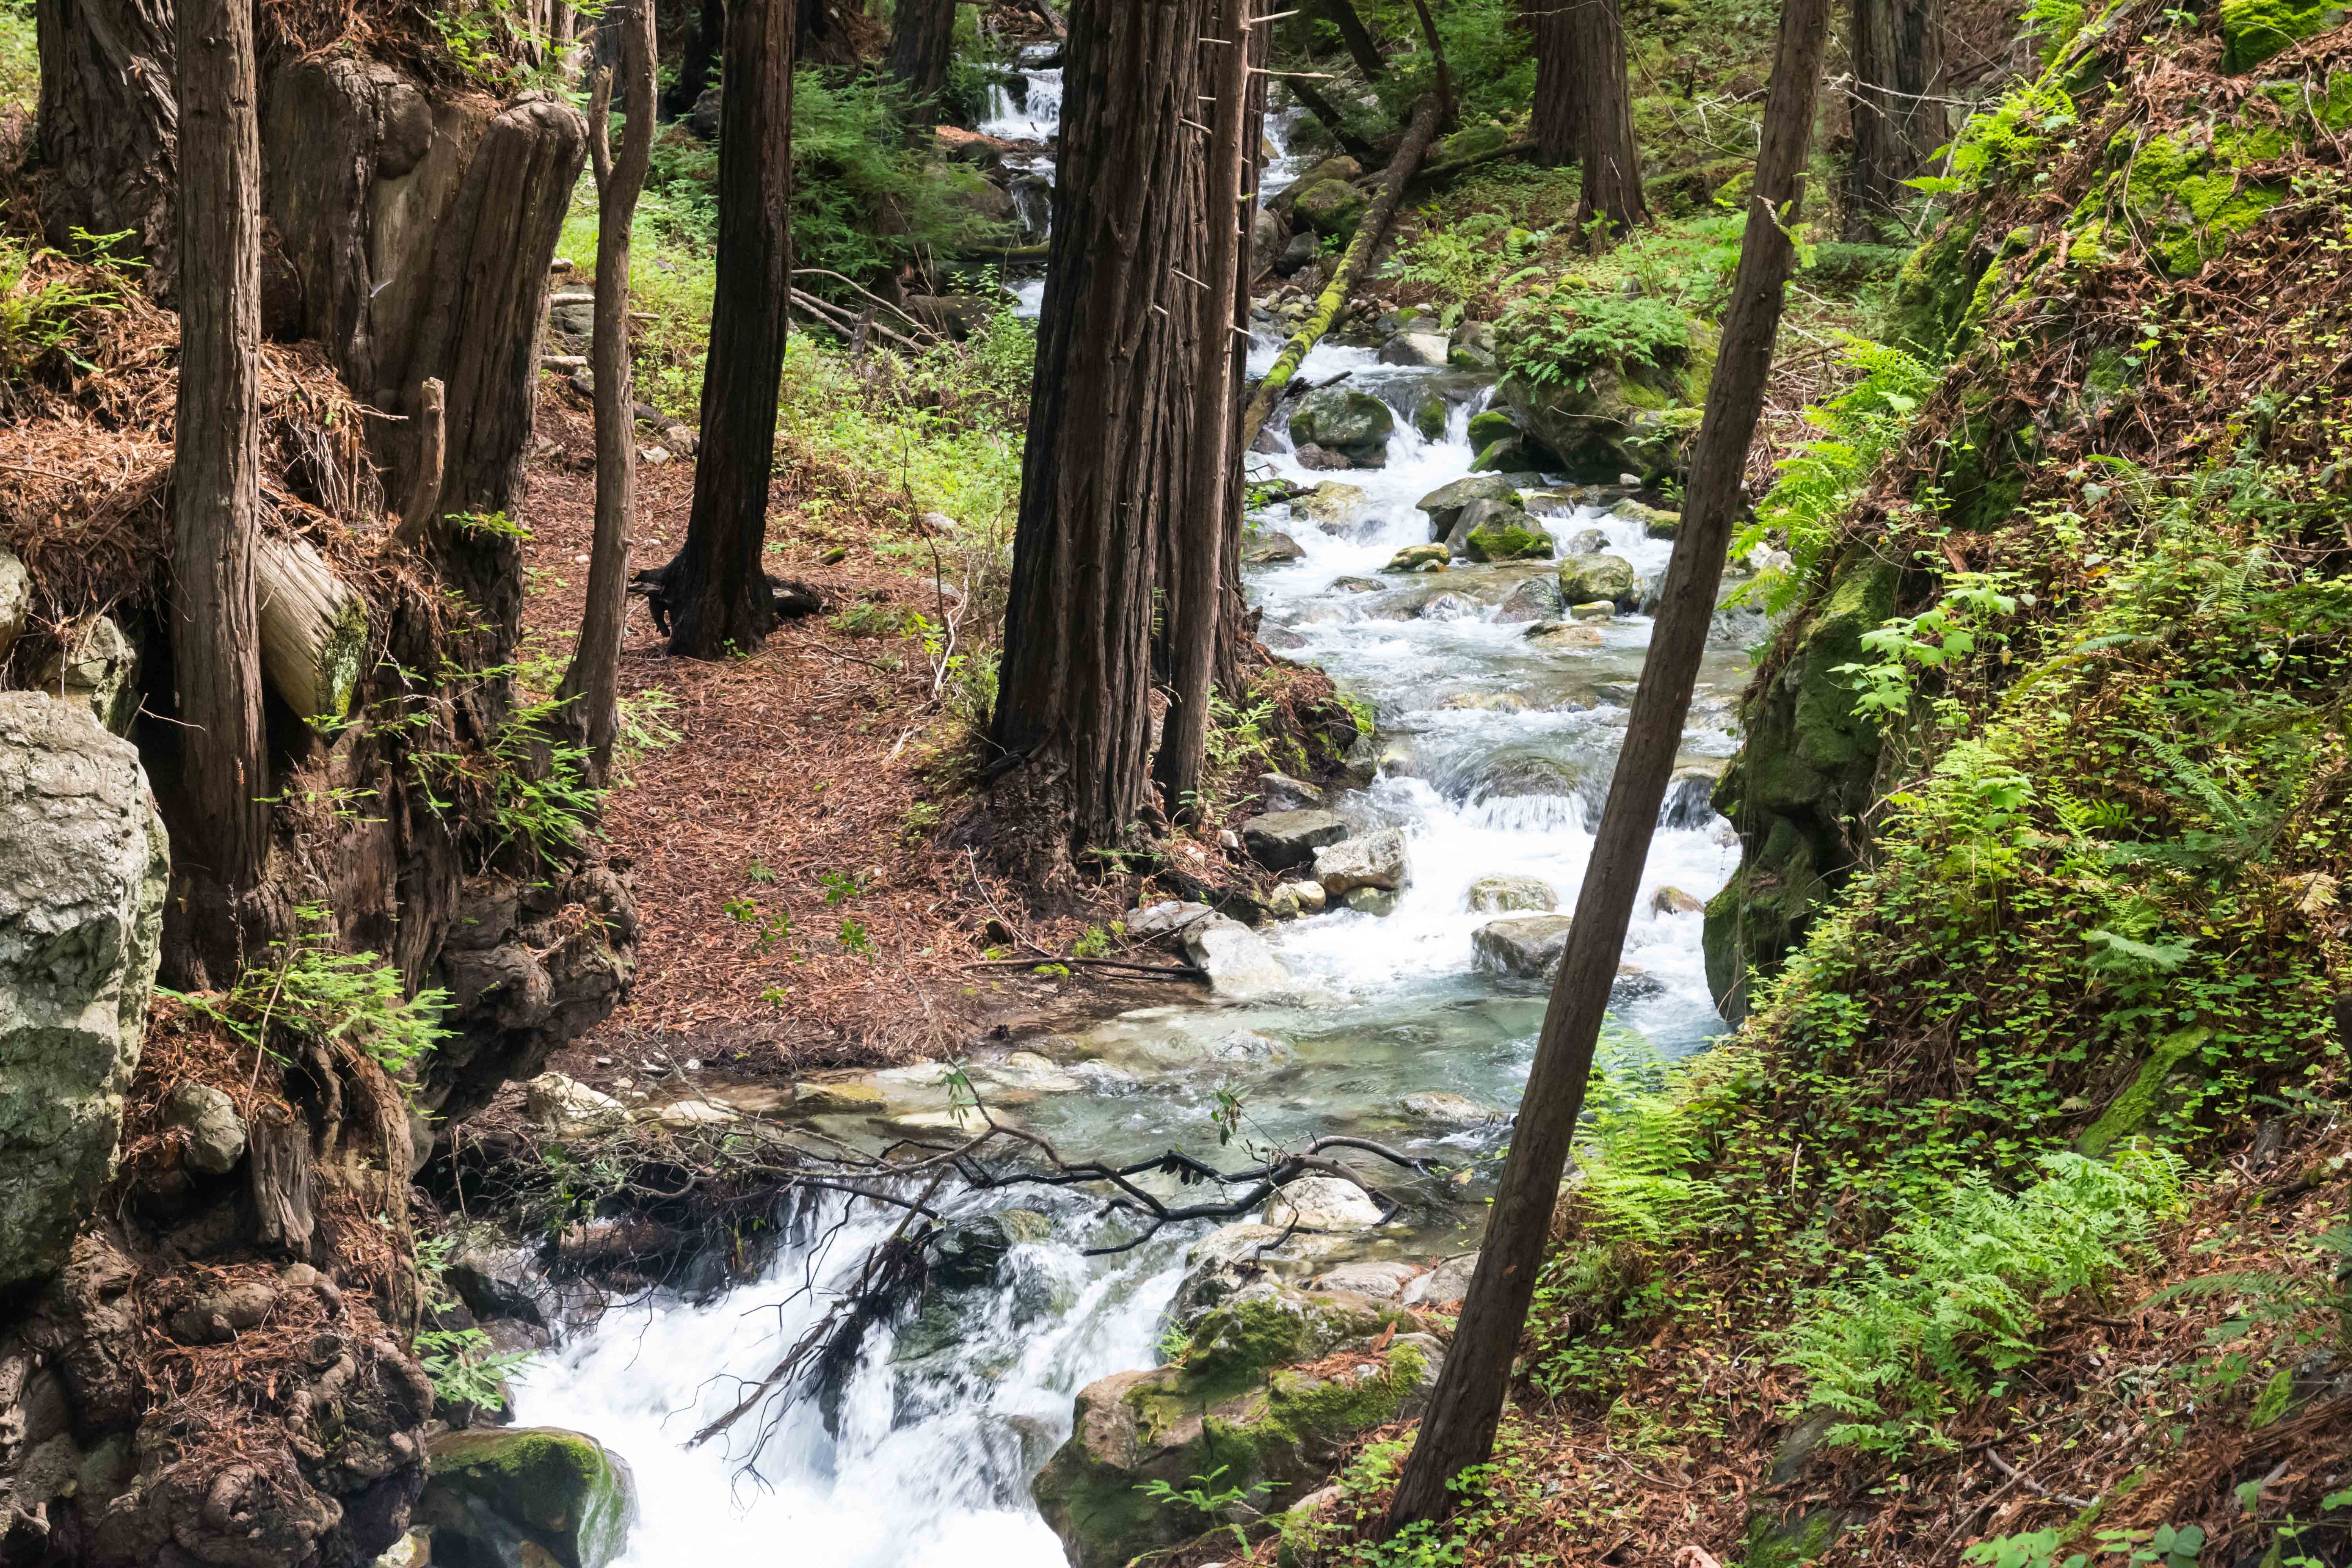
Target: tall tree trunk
point(1111, 387)
point(1363, 47)
point(1557, 122)
point(922, 47)
point(1467, 1404)
point(1197, 608)
point(1898, 68)
point(217, 473)
point(696, 53)
point(1234, 638)
point(106, 125)
point(716, 586)
point(593, 679)
point(1604, 111)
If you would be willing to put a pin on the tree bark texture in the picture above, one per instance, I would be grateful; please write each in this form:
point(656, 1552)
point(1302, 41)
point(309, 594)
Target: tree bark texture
point(1235, 639)
point(922, 47)
point(109, 125)
point(1196, 613)
point(1611, 191)
point(1109, 397)
point(697, 53)
point(1459, 1429)
point(719, 594)
point(217, 470)
point(1898, 68)
point(1352, 262)
point(592, 681)
point(1556, 120)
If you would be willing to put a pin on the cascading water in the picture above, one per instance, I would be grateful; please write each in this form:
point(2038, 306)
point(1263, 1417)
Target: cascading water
point(1497, 752)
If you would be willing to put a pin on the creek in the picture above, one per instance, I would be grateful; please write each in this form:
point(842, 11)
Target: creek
point(1493, 756)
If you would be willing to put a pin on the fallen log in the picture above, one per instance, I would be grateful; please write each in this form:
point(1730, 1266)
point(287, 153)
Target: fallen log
point(1358, 256)
point(314, 628)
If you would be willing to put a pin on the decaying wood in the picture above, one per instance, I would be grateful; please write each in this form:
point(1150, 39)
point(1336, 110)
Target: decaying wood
point(313, 629)
point(277, 1169)
point(1352, 266)
point(432, 453)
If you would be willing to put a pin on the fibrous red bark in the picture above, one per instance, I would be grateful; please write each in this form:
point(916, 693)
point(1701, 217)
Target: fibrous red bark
point(1898, 120)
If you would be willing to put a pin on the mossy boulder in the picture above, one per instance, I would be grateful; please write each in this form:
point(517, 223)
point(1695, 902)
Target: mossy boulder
point(1585, 578)
point(1806, 765)
point(1934, 289)
point(1419, 558)
point(1592, 426)
point(1234, 1398)
point(524, 1497)
point(1489, 426)
point(2184, 192)
point(1446, 503)
point(1656, 522)
point(1339, 419)
point(1505, 534)
point(1329, 208)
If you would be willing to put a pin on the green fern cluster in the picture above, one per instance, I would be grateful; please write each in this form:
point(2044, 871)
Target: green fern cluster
point(1952, 1299)
point(308, 992)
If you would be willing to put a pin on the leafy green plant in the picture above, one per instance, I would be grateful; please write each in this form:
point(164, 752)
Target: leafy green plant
point(1206, 1498)
point(1945, 633)
point(461, 1363)
point(1558, 335)
point(40, 315)
point(767, 931)
point(1096, 942)
point(854, 938)
point(310, 992)
point(1950, 1299)
point(840, 886)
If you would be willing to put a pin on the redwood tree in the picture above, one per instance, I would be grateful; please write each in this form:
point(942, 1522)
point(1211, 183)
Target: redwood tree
point(717, 594)
point(1467, 1404)
point(217, 475)
point(922, 47)
point(1108, 403)
point(1898, 121)
point(1611, 191)
point(593, 679)
point(1557, 124)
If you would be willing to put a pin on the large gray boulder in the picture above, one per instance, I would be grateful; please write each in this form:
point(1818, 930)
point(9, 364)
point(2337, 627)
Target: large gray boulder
point(1502, 892)
point(1584, 579)
point(1238, 962)
point(98, 666)
point(1339, 419)
point(1376, 861)
point(1281, 839)
point(83, 866)
point(1445, 504)
point(1525, 946)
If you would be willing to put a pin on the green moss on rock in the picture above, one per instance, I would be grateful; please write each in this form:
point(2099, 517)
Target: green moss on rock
point(561, 1493)
point(2254, 30)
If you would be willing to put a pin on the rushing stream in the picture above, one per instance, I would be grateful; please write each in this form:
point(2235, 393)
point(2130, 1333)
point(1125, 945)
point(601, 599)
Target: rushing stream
point(1494, 755)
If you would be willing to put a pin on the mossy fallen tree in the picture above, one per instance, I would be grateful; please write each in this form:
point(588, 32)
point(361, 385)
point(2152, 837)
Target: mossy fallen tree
point(1358, 256)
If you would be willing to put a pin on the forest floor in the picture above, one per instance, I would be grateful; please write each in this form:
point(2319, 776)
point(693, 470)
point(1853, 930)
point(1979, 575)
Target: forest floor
point(798, 910)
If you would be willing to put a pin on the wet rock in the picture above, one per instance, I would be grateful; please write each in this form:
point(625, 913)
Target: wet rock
point(958, 316)
point(1500, 893)
point(1239, 964)
point(569, 1108)
point(216, 1133)
point(1489, 702)
point(1323, 459)
point(1280, 792)
point(1147, 922)
point(1449, 1109)
point(1588, 541)
point(1672, 900)
point(1503, 534)
point(1269, 548)
point(1634, 985)
point(1372, 902)
point(1329, 208)
point(1656, 522)
point(1376, 1279)
point(1419, 558)
point(1598, 611)
point(1298, 254)
point(970, 1257)
point(1220, 1266)
point(687, 1115)
point(1583, 578)
point(1292, 901)
point(1473, 346)
point(1422, 349)
point(1376, 861)
point(1690, 800)
point(1445, 503)
point(1269, 236)
point(1564, 633)
point(1323, 1203)
point(1336, 508)
point(1490, 425)
point(1429, 416)
point(496, 1280)
point(1251, 1045)
point(1281, 839)
point(1444, 1285)
point(1343, 420)
point(1526, 947)
point(837, 1098)
point(526, 1498)
point(1446, 607)
point(1536, 599)
point(83, 864)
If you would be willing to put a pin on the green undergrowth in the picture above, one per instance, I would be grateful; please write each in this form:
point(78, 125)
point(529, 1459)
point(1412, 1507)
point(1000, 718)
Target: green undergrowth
point(307, 995)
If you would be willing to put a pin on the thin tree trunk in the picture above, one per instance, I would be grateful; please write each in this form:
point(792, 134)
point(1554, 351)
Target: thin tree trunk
point(1232, 635)
point(1358, 256)
point(1113, 368)
point(697, 55)
point(1310, 98)
point(922, 47)
point(1898, 68)
point(1363, 47)
point(1467, 1404)
point(216, 472)
point(718, 591)
point(1612, 192)
point(1557, 122)
point(593, 679)
point(1198, 613)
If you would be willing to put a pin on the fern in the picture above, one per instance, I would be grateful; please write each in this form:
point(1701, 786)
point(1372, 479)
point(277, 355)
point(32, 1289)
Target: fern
point(1951, 1300)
